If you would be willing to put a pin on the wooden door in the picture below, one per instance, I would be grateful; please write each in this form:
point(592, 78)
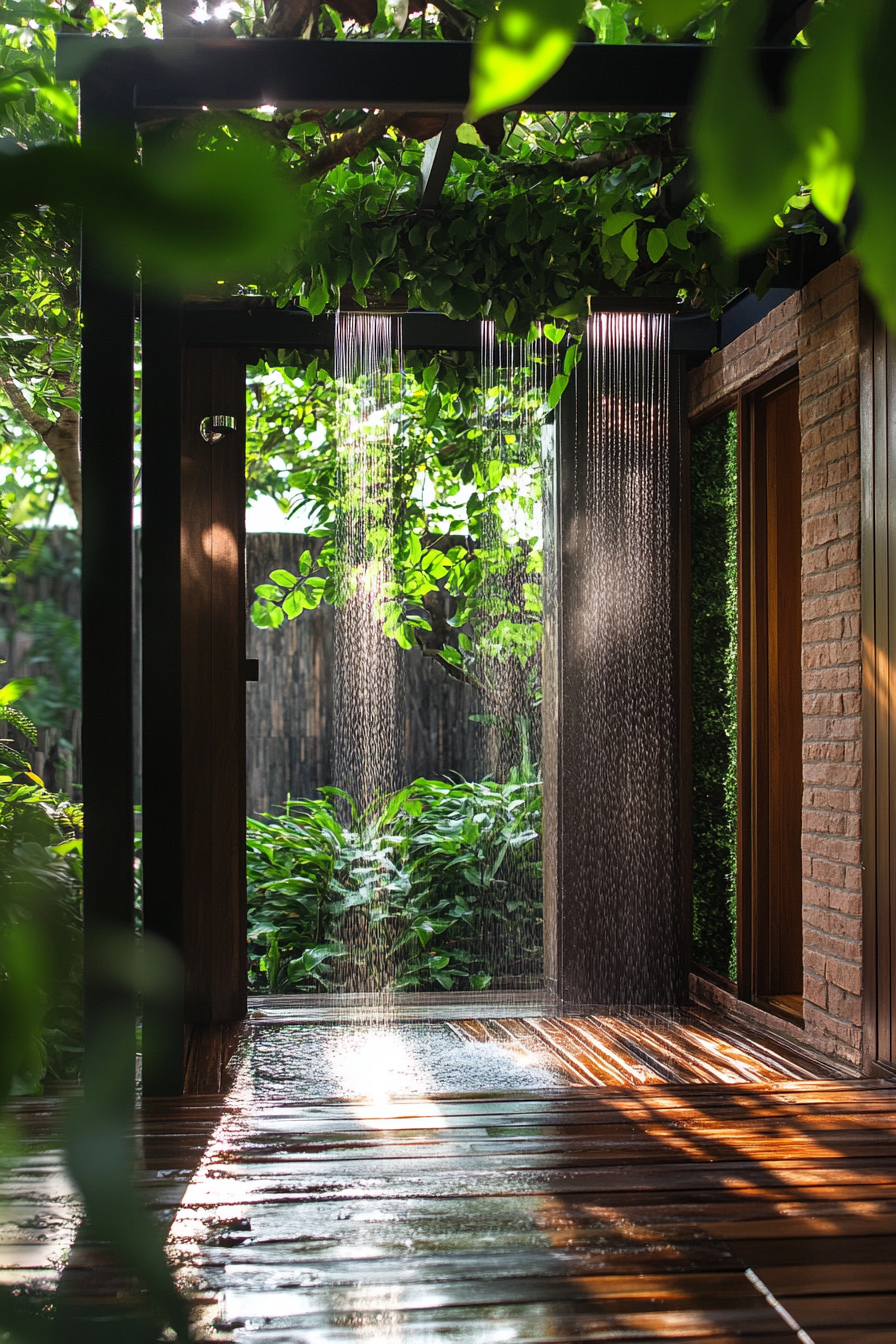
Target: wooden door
point(213, 682)
point(879, 692)
point(194, 710)
point(771, 700)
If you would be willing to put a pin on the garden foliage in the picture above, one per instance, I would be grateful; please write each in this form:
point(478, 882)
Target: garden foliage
point(466, 500)
point(714, 691)
point(40, 922)
point(437, 888)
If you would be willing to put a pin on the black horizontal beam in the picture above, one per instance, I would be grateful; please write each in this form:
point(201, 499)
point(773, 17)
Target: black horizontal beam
point(184, 74)
point(267, 328)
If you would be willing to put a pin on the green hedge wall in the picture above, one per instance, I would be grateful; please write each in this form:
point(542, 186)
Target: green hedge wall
point(714, 691)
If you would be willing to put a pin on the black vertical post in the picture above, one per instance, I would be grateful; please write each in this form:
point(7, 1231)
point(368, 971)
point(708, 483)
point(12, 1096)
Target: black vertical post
point(107, 465)
point(163, 1022)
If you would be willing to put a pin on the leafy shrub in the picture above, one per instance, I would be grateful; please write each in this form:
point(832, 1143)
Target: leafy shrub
point(40, 933)
point(714, 691)
point(439, 888)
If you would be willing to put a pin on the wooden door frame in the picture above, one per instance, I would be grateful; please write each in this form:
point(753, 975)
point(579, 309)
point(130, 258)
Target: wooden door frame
point(878, 569)
point(752, 657)
point(194, 671)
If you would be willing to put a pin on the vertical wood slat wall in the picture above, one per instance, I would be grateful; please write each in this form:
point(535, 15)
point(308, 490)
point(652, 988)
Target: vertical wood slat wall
point(289, 708)
point(213, 689)
point(878, 411)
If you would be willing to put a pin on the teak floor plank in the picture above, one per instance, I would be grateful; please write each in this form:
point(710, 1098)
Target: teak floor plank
point(600, 1211)
point(855, 1309)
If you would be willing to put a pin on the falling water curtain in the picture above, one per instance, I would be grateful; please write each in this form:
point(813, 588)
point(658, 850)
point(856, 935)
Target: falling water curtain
point(616, 906)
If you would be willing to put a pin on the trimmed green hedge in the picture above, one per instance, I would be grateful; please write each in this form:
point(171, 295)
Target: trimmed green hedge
point(714, 691)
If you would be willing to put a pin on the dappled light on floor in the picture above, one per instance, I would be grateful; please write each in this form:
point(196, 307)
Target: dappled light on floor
point(505, 1215)
point(518, 1215)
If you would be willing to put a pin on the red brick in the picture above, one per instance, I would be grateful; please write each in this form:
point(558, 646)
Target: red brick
point(817, 531)
point(848, 901)
point(815, 991)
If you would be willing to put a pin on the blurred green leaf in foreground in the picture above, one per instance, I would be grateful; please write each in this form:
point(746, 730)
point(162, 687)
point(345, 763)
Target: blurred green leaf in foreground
point(191, 214)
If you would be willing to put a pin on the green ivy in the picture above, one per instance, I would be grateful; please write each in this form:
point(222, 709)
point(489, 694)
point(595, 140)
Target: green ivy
point(714, 691)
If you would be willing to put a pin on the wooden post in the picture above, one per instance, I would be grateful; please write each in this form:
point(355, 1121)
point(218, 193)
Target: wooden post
point(194, 683)
point(162, 799)
point(213, 687)
point(107, 465)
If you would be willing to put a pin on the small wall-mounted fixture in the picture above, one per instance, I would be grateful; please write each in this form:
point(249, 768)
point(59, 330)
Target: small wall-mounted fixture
point(214, 427)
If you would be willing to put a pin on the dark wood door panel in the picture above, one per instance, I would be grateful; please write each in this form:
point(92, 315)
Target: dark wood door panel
point(770, 696)
point(213, 688)
point(878, 436)
point(783, 969)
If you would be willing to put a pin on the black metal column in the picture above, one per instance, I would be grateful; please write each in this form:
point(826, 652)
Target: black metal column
point(107, 437)
point(163, 1022)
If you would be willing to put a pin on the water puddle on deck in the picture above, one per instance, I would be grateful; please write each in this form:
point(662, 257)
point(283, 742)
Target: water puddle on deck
point(400, 1060)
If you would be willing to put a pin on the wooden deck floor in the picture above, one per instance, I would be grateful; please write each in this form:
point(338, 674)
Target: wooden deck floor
point(643, 1213)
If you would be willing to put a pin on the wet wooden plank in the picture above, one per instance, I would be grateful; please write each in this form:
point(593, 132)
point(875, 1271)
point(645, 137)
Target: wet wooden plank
point(834, 1279)
point(857, 1310)
point(614, 1212)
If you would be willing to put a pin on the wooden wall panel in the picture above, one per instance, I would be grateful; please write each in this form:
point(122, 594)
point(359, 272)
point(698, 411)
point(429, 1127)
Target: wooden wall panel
point(213, 690)
point(770, 699)
point(878, 410)
point(290, 723)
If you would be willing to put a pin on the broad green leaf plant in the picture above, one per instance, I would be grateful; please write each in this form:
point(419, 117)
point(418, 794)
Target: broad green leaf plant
point(451, 482)
point(438, 887)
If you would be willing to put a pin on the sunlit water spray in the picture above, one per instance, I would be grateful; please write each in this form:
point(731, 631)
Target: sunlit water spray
point(514, 420)
point(366, 681)
point(380, 1062)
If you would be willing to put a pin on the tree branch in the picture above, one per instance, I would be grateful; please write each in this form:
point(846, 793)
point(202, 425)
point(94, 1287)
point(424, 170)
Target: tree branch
point(289, 15)
point(63, 441)
point(651, 146)
point(39, 423)
point(61, 436)
point(348, 145)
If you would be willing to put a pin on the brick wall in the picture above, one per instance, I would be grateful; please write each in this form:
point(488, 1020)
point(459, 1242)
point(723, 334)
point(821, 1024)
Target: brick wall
point(819, 327)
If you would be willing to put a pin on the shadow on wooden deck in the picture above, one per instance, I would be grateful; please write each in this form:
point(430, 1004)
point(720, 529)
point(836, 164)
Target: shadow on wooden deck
point(712, 1210)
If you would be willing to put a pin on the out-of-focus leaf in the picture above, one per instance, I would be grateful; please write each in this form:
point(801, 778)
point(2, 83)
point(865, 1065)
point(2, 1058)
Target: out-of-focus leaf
point(876, 168)
point(517, 49)
point(827, 102)
point(672, 15)
point(188, 214)
point(61, 105)
point(748, 156)
point(15, 689)
point(99, 1149)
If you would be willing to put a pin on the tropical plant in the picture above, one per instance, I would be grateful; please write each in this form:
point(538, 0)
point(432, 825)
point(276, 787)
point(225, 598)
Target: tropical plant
point(439, 887)
point(714, 692)
point(40, 917)
point(466, 500)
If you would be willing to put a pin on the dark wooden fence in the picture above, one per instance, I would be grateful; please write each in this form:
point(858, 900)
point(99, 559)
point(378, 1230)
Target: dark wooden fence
point(290, 707)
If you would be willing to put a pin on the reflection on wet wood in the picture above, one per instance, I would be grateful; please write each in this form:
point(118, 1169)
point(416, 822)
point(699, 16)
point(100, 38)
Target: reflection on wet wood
point(636, 1048)
point(594, 1212)
point(208, 1049)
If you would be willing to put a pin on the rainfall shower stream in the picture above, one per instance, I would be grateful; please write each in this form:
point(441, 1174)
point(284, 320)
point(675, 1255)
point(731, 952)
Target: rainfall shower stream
point(603, 656)
point(622, 912)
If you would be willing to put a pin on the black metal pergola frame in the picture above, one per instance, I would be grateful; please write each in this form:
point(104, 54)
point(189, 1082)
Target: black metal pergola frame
point(124, 83)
